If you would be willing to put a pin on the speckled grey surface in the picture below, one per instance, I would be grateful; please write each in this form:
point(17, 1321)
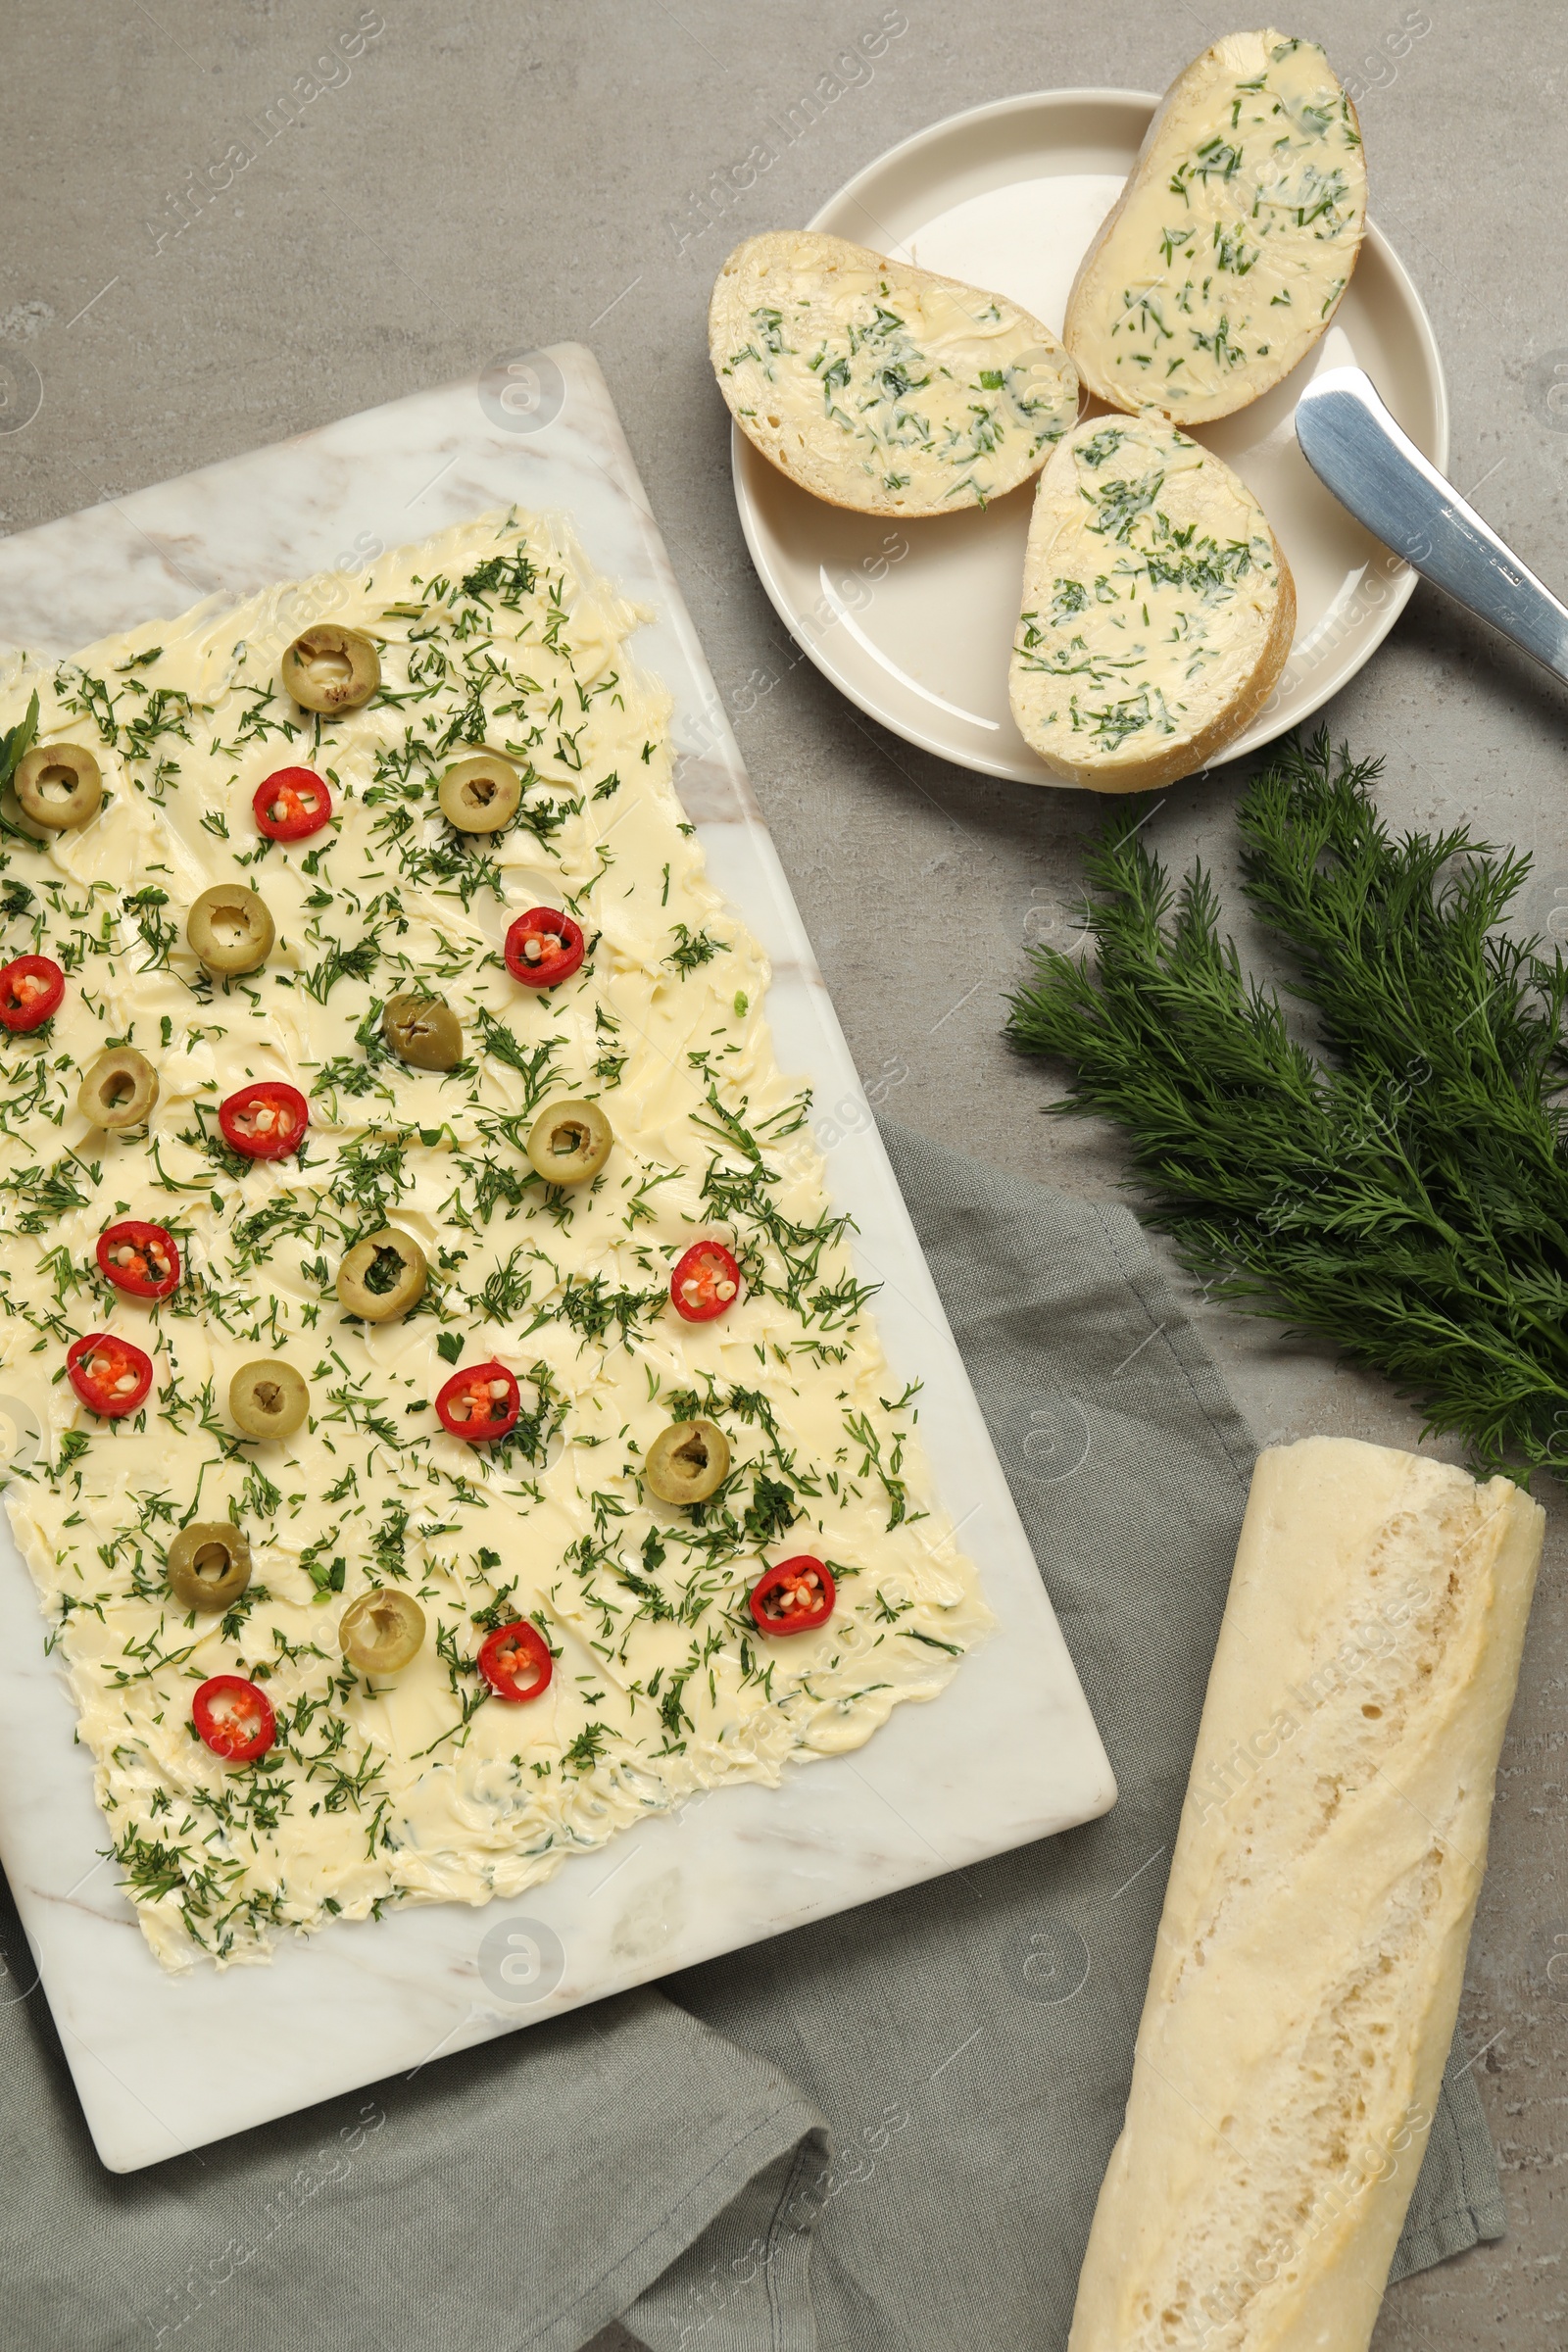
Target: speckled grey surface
point(462, 181)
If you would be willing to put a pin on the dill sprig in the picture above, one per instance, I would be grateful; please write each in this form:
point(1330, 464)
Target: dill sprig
point(340, 963)
point(1403, 1192)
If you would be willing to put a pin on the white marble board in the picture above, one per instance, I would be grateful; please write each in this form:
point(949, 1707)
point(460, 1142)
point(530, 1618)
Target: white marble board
point(1006, 1754)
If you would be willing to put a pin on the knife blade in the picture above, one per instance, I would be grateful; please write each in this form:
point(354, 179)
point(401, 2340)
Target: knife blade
point(1375, 470)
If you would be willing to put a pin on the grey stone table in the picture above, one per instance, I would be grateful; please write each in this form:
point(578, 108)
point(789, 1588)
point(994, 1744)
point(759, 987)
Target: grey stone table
point(213, 240)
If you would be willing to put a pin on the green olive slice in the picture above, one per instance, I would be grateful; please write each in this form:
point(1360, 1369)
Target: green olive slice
point(230, 929)
point(267, 1399)
point(58, 785)
point(480, 795)
point(686, 1462)
point(382, 1276)
point(209, 1564)
point(382, 1631)
point(570, 1142)
point(119, 1089)
point(331, 668)
point(422, 1031)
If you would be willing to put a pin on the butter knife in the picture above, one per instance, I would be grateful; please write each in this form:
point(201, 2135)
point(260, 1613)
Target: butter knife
point(1357, 452)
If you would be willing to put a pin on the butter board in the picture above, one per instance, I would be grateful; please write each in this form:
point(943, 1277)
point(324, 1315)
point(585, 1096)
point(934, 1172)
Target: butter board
point(1007, 1753)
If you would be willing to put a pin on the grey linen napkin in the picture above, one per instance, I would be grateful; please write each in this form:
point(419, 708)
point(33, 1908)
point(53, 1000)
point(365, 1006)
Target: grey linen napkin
point(881, 2132)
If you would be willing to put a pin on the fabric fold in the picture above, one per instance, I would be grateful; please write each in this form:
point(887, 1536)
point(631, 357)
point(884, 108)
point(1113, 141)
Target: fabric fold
point(520, 2194)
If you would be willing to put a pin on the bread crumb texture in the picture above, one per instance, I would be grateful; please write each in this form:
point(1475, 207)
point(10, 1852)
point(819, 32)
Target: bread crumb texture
point(882, 387)
point(1310, 1955)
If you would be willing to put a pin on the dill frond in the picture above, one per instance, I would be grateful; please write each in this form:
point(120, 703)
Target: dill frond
point(1400, 1191)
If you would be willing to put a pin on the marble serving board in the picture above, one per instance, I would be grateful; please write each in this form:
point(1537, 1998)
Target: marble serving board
point(1006, 1754)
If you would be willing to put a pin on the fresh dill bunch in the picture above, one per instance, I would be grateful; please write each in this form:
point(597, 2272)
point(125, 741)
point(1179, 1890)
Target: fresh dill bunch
point(1400, 1191)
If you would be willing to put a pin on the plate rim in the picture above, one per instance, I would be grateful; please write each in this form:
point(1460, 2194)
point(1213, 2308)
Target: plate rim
point(745, 458)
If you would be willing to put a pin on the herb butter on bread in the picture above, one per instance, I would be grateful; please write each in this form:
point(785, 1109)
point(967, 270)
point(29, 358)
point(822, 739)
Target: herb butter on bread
point(1231, 246)
point(1158, 607)
point(1311, 1949)
point(878, 386)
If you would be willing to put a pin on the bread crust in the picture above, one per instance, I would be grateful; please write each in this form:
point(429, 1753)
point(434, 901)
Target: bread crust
point(1311, 1950)
point(828, 461)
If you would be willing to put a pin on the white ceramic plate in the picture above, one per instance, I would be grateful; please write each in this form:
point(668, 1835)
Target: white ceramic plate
point(914, 621)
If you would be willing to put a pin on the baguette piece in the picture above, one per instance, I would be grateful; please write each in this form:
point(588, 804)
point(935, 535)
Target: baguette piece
point(1311, 1951)
point(1231, 246)
point(1158, 609)
point(882, 387)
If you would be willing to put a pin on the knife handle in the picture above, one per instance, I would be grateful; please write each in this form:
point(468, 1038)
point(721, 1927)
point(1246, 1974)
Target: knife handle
point(1357, 452)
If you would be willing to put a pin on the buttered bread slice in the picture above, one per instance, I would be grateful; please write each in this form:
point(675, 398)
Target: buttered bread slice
point(1231, 246)
point(1157, 611)
point(1312, 1946)
point(881, 387)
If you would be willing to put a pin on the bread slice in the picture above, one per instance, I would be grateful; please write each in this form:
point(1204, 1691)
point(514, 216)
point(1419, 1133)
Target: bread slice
point(1157, 611)
point(1231, 246)
point(1311, 1951)
point(880, 387)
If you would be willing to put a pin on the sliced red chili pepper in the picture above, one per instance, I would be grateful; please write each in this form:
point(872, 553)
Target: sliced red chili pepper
point(266, 1120)
point(543, 948)
point(480, 1404)
point(515, 1661)
point(292, 802)
point(793, 1597)
point(139, 1259)
point(108, 1373)
point(235, 1718)
point(30, 990)
point(706, 1281)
